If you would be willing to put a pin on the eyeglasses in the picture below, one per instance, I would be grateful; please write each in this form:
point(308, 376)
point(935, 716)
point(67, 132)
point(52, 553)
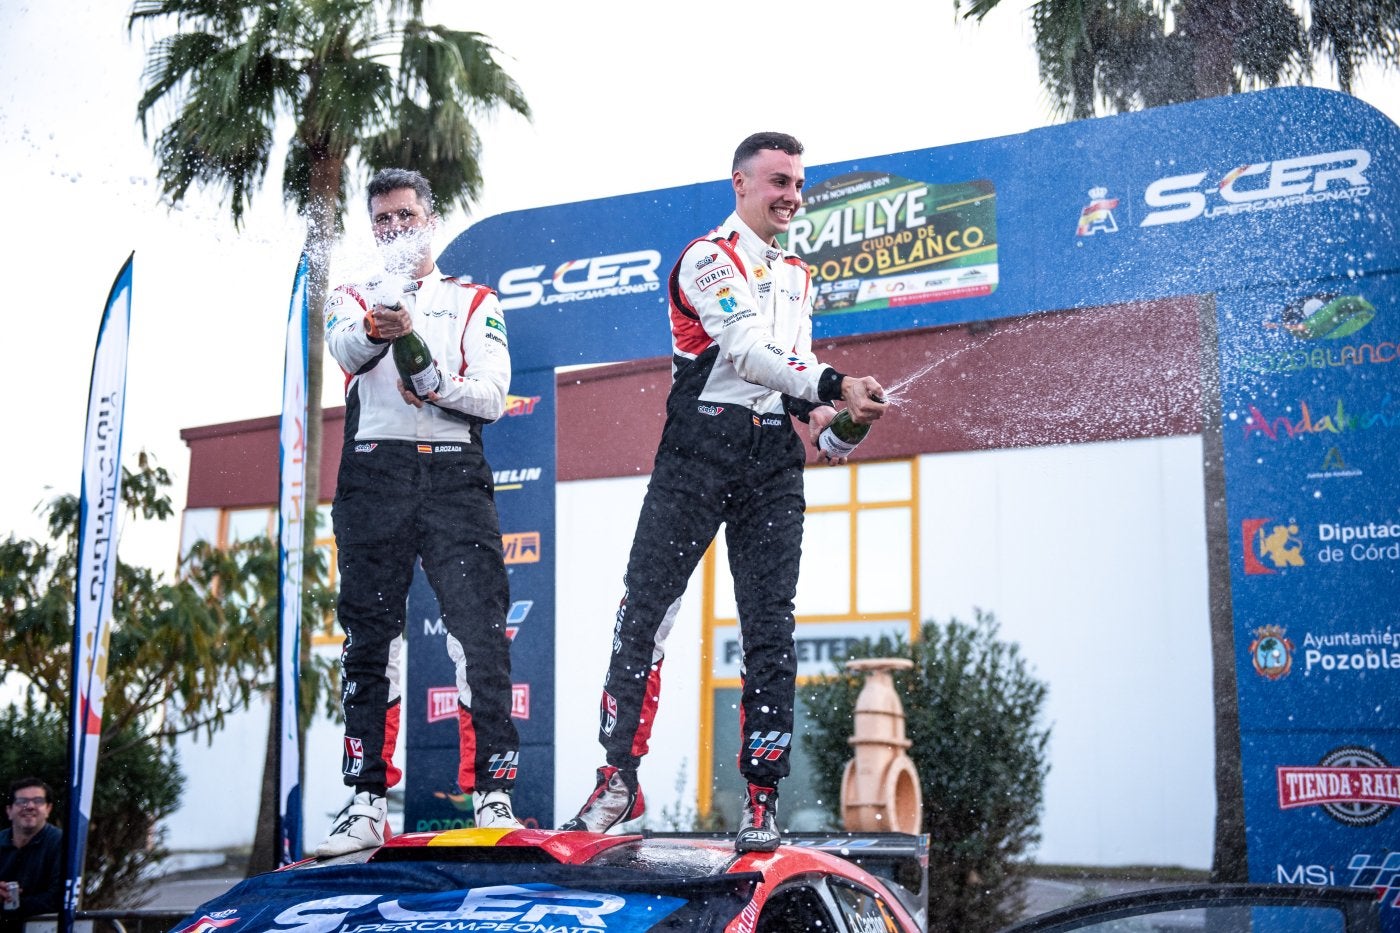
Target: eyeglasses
point(403, 215)
point(30, 801)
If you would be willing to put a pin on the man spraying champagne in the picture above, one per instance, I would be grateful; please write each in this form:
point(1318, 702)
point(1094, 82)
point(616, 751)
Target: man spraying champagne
point(414, 483)
point(741, 330)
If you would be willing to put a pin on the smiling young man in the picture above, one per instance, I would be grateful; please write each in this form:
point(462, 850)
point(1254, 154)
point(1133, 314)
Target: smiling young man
point(31, 855)
point(741, 330)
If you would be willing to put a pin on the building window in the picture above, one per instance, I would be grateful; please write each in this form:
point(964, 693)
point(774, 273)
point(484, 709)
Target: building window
point(858, 580)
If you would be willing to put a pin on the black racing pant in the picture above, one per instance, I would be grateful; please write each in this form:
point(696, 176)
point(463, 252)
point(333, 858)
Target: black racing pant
point(716, 463)
point(397, 502)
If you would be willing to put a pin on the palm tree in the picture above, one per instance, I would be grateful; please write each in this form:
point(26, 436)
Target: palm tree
point(1130, 54)
point(364, 84)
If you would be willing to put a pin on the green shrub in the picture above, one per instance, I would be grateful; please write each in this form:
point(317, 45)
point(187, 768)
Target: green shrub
point(972, 711)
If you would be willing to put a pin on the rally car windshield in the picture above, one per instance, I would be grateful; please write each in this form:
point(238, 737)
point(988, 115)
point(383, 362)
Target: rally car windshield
point(444, 897)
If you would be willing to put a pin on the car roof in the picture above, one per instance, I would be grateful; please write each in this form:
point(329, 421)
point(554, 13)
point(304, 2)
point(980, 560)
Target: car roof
point(663, 855)
point(653, 861)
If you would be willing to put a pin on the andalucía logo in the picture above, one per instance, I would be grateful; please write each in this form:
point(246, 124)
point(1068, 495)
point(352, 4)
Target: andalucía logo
point(1271, 652)
point(1097, 215)
point(1352, 784)
point(1270, 546)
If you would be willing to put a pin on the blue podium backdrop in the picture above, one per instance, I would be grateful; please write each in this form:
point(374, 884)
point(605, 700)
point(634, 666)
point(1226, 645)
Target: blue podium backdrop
point(1281, 204)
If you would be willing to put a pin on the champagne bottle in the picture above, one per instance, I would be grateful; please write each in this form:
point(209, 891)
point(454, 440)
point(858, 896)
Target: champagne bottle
point(839, 438)
point(415, 365)
point(412, 358)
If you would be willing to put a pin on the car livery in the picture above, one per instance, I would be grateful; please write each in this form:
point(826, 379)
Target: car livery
point(545, 881)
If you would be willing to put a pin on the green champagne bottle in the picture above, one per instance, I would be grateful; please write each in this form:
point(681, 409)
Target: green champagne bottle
point(840, 437)
point(412, 358)
point(415, 365)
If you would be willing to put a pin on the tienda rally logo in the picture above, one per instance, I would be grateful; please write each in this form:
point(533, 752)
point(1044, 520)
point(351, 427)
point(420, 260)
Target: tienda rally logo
point(442, 703)
point(1260, 186)
point(1270, 546)
point(581, 280)
point(1352, 784)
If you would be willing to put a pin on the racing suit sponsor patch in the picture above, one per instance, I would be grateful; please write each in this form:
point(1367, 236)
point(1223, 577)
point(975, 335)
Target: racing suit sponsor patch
point(710, 410)
point(609, 710)
point(718, 274)
point(706, 261)
point(354, 756)
point(502, 766)
point(365, 448)
point(768, 746)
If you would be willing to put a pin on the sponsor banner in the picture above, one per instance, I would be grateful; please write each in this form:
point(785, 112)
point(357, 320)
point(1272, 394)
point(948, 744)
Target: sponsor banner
point(99, 526)
point(874, 239)
point(291, 534)
point(1322, 805)
point(1189, 199)
point(1309, 415)
point(520, 449)
point(819, 646)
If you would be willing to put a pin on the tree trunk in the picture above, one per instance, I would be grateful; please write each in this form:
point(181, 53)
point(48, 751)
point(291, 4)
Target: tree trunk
point(1229, 862)
point(265, 833)
point(1213, 27)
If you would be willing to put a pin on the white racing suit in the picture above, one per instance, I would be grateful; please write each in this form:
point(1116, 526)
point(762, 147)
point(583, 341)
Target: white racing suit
point(414, 483)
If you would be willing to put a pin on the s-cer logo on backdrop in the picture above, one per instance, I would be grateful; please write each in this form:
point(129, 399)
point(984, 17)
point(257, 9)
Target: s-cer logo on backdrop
point(581, 280)
point(1260, 186)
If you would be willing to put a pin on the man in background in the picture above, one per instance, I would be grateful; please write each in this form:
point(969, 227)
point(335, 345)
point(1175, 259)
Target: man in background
point(31, 855)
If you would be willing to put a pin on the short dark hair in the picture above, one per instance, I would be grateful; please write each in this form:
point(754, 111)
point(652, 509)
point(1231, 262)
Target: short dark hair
point(760, 141)
point(393, 179)
point(19, 784)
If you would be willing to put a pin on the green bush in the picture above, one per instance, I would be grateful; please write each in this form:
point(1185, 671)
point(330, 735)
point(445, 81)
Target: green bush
point(972, 711)
point(138, 784)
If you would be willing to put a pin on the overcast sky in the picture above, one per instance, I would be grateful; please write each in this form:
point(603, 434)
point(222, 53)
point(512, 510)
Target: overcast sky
point(627, 96)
